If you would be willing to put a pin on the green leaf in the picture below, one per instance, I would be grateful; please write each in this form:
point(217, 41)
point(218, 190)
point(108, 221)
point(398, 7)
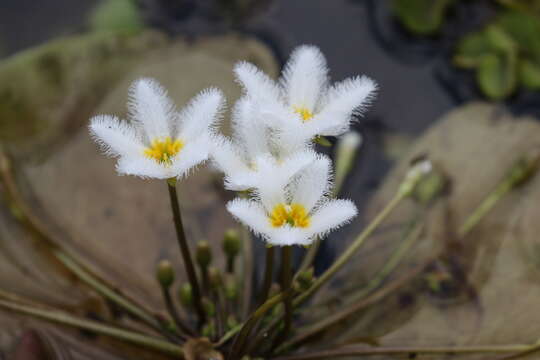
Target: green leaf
point(116, 15)
point(499, 39)
point(421, 16)
point(529, 74)
point(496, 75)
point(471, 49)
point(524, 29)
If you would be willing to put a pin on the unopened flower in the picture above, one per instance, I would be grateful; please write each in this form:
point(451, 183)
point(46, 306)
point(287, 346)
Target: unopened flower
point(159, 142)
point(303, 105)
point(295, 214)
point(251, 148)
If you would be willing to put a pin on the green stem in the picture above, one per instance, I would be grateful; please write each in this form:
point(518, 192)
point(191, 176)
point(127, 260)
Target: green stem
point(411, 236)
point(117, 333)
point(247, 270)
point(286, 282)
point(184, 249)
point(171, 308)
point(268, 274)
point(522, 169)
point(352, 351)
point(245, 329)
point(346, 256)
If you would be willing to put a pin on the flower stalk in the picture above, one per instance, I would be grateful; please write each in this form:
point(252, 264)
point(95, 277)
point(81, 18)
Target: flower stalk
point(184, 250)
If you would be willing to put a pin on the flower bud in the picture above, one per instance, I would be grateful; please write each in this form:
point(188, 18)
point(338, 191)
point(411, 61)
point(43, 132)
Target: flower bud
point(214, 277)
point(203, 254)
point(231, 243)
point(209, 330)
point(209, 307)
point(305, 278)
point(165, 273)
point(231, 289)
point(345, 155)
point(185, 293)
point(231, 322)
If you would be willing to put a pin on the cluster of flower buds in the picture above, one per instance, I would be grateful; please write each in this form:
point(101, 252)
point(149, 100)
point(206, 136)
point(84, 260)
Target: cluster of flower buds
point(271, 152)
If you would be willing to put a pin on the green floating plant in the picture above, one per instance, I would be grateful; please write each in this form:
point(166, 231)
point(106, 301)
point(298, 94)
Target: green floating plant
point(505, 54)
point(423, 17)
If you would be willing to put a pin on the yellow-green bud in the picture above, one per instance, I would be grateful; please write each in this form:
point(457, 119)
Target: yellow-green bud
point(323, 141)
point(231, 288)
point(231, 322)
point(429, 187)
point(346, 149)
point(214, 277)
point(203, 253)
point(165, 273)
point(209, 330)
point(231, 242)
point(209, 307)
point(305, 278)
point(185, 293)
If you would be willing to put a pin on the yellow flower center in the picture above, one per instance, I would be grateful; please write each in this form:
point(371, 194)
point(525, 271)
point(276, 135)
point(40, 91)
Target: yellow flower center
point(163, 150)
point(304, 112)
point(294, 214)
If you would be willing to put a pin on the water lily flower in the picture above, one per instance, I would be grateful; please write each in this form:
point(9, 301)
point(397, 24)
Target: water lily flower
point(159, 142)
point(297, 213)
point(250, 149)
point(302, 105)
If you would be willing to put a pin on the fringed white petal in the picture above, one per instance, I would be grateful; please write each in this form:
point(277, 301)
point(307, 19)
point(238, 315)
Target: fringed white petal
point(270, 182)
point(251, 214)
point(345, 99)
point(287, 235)
point(201, 114)
point(192, 154)
point(305, 77)
point(115, 137)
point(228, 159)
point(249, 129)
point(330, 216)
point(256, 84)
point(150, 106)
point(143, 167)
point(313, 183)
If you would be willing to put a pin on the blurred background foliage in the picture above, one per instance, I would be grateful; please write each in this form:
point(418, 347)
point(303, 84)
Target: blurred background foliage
point(503, 53)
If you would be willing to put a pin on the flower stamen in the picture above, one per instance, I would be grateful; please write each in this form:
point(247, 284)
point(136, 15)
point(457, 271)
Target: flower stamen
point(304, 112)
point(295, 215)
point(163, 150)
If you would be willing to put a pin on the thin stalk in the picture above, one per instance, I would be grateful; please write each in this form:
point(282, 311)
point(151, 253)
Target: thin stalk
point(521, 171)
point(311, 330)
point(372, 351)
point(286, 282)
point(171, 308)
point(310, 256)
point(103, 290)
point(268, 274)
point(98, 328)
point(411, 236)
point(346, 256)
point(184, 249)
point(245, 329)
point(247, 270)
point(26, 217)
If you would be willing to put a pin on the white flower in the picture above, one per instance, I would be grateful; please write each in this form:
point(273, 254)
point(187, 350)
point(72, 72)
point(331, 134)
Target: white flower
point(303, 105)
point(294, 213)
point(159, 142)
point(241, 158)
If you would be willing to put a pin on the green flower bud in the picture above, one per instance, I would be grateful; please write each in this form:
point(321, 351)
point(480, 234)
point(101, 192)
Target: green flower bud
point(165, 273)
point(231, 288)
point(203, 254)
point(305, 278)
point(209, 307)
point(185, 294)
point(214, 277)
point(231, 242)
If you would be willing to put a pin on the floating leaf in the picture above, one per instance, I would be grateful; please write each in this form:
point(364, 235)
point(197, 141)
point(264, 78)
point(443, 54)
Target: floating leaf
point(471, 49)
point(529, 74)
point(421, 16)
point(116, 15)
point(496, 75)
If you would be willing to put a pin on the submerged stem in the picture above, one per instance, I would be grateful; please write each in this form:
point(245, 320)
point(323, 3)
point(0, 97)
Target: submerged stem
point(184, 249)
point(98, 328)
